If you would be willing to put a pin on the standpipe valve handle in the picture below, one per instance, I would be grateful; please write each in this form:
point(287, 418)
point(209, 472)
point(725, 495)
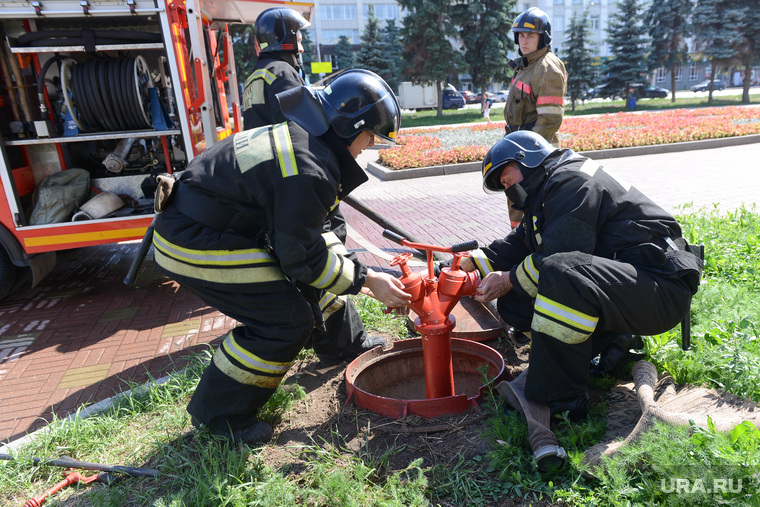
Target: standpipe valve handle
point(429, 249)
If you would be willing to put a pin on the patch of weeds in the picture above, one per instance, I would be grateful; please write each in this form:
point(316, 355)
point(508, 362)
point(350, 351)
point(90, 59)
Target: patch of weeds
point(683, 466)
point(724, 357)
point(335, 476)
point(206, 469)
point(732, 243)
point(372, 314)
point(280, 402)
point(466, 483)
point(724, 345)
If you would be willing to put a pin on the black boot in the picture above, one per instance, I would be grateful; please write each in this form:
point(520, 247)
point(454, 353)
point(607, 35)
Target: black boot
point(576, 407)
point(617, 355)
point(357, 349)
point(257, 433)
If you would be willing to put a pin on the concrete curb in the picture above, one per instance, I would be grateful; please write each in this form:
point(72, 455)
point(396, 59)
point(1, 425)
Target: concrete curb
point(385, 174)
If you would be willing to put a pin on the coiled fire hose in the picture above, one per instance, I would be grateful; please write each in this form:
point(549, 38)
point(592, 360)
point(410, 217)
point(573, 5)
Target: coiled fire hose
point(108, 95)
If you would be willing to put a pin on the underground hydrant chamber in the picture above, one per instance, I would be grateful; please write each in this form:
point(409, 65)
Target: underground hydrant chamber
point(435, 375)
point(392, 383)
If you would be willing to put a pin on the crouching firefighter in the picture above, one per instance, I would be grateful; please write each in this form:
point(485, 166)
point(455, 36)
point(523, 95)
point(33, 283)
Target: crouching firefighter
point(592, 262)
point(246, 229)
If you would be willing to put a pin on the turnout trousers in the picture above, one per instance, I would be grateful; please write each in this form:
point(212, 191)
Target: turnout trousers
point(613, 298)
point(254, 357)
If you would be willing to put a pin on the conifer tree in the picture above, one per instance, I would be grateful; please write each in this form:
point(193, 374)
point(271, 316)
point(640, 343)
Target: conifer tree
point(429, 55)
point(716, 36)
point(577, 58)
point(485, 32)
point(748, 49)
point(344, 54)
point(627, 40)
point(244, 49)
point(372, 53)
point(308, 56)
point(393, 52)
point(668, 24)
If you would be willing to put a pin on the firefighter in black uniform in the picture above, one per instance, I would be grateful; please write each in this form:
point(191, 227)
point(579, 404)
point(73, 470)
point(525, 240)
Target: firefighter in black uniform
point(244, 230)
point(279, 65)
point(278, 35)
point(592, 260)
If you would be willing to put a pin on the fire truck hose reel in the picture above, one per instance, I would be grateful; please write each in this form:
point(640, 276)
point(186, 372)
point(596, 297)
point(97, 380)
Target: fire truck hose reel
point(108, 94)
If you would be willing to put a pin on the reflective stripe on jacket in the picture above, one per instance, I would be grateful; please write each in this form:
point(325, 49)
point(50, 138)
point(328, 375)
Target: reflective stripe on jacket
point(271, 76)
point(284, 183)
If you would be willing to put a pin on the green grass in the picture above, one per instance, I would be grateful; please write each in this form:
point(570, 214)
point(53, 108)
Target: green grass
point(429, 118)
point(151, 429)
point(725, 347)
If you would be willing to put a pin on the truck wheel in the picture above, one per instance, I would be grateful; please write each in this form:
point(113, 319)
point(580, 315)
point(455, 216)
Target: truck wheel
point(8, 273)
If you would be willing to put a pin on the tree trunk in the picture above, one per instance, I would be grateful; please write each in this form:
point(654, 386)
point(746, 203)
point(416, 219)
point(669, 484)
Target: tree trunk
point(439, 92)
point(746, 83)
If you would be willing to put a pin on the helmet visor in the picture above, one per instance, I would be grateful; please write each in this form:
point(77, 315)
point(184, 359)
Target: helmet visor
point(389, 120)
point(491, 175)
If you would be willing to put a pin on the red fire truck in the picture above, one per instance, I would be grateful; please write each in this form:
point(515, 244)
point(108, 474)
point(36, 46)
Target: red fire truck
point(97, 97)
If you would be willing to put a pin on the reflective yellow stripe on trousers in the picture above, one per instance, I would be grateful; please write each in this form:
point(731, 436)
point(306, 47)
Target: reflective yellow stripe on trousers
point(253, 371)
point(562, 322)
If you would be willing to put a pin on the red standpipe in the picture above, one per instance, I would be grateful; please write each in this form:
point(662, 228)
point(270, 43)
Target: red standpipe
point(432, 300)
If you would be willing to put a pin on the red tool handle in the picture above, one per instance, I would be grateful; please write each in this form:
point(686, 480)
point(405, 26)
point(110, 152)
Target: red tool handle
point(70, 479)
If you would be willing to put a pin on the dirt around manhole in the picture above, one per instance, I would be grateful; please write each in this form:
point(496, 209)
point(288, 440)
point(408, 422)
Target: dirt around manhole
point(324, 419)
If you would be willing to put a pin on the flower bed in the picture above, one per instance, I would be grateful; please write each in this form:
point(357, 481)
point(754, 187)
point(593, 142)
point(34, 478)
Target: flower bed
point(440, 146)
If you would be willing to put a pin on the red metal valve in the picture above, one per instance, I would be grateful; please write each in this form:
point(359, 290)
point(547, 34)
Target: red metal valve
point(432, 300)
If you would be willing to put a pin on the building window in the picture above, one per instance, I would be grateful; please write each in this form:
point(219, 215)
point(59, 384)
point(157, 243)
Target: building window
point(693, 71)
point(332, 36)
point(337, 11)
point(594, 22)
point(559, 2)
point(679, 73)
point(333, 59)
point(558, 23)
point(382, 11)
point(660, 77)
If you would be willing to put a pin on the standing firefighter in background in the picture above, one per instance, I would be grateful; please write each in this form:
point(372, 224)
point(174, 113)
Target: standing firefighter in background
point(245, 229)
point(537, 93)
point(278, 37)
point(592, 262)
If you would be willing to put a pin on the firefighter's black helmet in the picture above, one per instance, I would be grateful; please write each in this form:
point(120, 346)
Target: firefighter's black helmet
point(355, 101)
point(277, 28)
point(525, 147)
point(534, 20)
